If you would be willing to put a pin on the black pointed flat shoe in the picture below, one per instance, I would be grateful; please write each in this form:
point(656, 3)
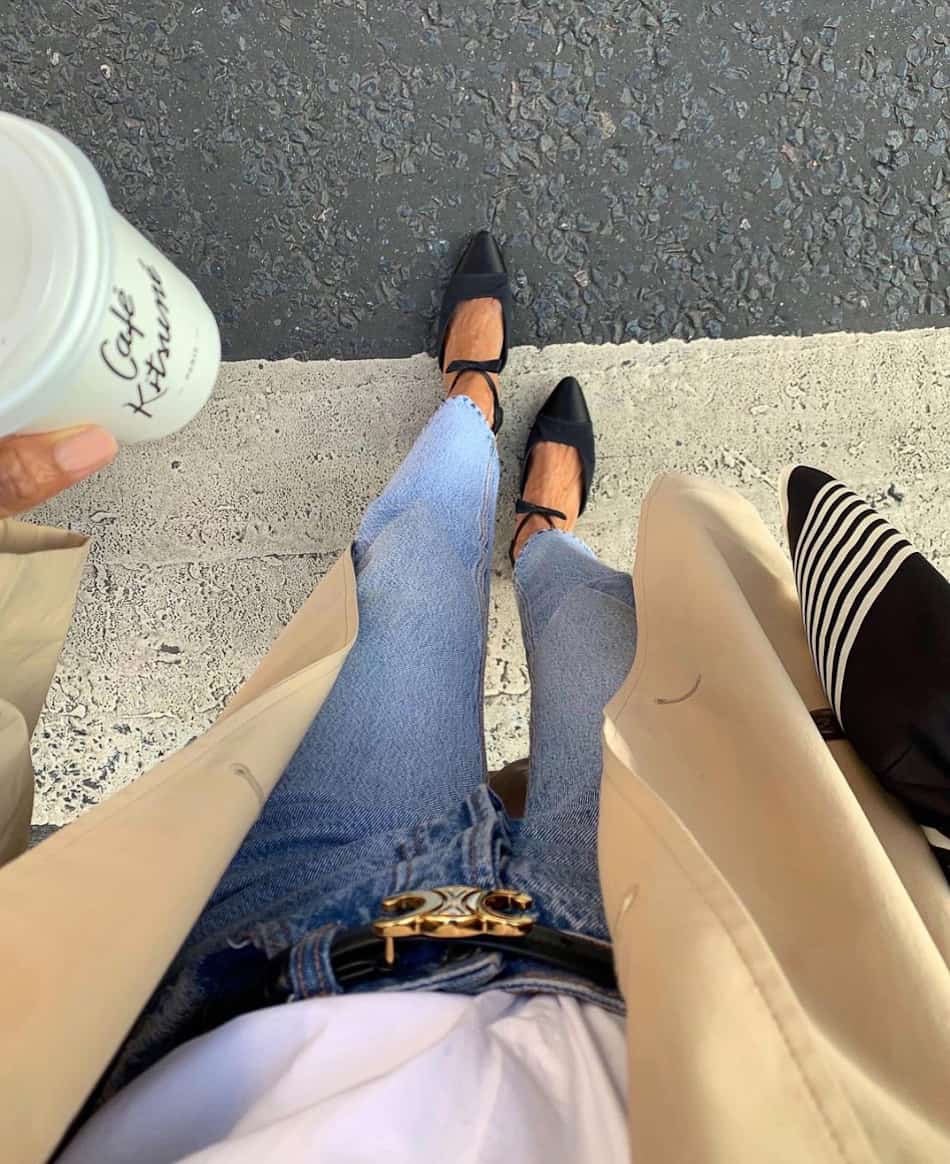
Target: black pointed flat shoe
point(480, 274)
point(563, 420)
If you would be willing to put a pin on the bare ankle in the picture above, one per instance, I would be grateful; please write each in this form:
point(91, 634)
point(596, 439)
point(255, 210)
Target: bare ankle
point(526, 531)
point(473, 386)
point(554, 481)
point(476, 332)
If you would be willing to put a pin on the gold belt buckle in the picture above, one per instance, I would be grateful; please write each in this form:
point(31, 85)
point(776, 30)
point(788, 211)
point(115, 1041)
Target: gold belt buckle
point(453, 911)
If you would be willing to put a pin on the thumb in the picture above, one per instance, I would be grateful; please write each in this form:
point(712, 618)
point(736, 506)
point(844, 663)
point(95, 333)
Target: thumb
point(35, 467)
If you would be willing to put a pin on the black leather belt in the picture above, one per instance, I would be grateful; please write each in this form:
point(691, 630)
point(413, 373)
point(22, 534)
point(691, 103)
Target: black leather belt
point(358, 956)
point(465, 918)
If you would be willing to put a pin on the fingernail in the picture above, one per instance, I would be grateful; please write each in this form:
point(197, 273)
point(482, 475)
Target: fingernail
point(85, 452)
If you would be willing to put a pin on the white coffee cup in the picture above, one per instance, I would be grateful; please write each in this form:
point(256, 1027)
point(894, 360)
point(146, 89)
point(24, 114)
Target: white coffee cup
point(96, 325)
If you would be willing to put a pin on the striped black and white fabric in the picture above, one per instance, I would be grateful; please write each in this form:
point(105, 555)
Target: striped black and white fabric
point(877, 620)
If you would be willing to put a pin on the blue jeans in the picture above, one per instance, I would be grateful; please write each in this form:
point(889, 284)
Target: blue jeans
point(388, 790)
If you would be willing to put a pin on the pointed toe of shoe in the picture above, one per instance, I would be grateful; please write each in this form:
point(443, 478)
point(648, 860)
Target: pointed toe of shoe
point(482, 256)
point(567, 402)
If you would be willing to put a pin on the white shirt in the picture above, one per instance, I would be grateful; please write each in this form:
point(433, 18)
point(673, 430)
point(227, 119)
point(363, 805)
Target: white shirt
point(420, 1077)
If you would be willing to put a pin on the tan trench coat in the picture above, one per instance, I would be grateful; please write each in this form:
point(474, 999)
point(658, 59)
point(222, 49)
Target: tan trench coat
point(782, 934)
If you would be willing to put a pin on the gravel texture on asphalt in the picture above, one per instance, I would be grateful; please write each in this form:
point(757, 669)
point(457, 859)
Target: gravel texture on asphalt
point(656, 168)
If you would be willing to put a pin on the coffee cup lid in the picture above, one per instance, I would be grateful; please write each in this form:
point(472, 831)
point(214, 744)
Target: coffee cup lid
point(56, 249)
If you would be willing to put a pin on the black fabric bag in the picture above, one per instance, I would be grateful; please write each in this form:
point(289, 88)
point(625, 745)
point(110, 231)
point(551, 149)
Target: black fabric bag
point(877, 618)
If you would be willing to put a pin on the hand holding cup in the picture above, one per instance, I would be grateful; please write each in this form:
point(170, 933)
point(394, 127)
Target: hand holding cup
point(35, 467)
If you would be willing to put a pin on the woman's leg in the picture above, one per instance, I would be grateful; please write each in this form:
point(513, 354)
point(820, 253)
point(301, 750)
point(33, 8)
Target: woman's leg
point(399, 738)
point(387, 785)
point(580, 635)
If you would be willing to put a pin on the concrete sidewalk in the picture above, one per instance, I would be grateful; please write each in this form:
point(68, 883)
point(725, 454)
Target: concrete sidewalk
point(206, 543)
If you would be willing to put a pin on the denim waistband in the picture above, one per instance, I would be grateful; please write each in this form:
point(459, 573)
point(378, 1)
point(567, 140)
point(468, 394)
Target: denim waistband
point(439, 967)
point(467, 846)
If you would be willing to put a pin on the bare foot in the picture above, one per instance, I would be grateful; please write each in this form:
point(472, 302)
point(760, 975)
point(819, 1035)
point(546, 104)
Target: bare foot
point(476, 332)
point(555, 480)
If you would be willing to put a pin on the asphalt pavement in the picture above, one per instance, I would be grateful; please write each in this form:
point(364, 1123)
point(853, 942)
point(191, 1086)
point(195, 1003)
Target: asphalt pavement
point(656, 168)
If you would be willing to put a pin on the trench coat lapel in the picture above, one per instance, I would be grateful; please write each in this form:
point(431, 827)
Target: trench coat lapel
point(90, 919)
point(39, 574)
point(781, 931)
